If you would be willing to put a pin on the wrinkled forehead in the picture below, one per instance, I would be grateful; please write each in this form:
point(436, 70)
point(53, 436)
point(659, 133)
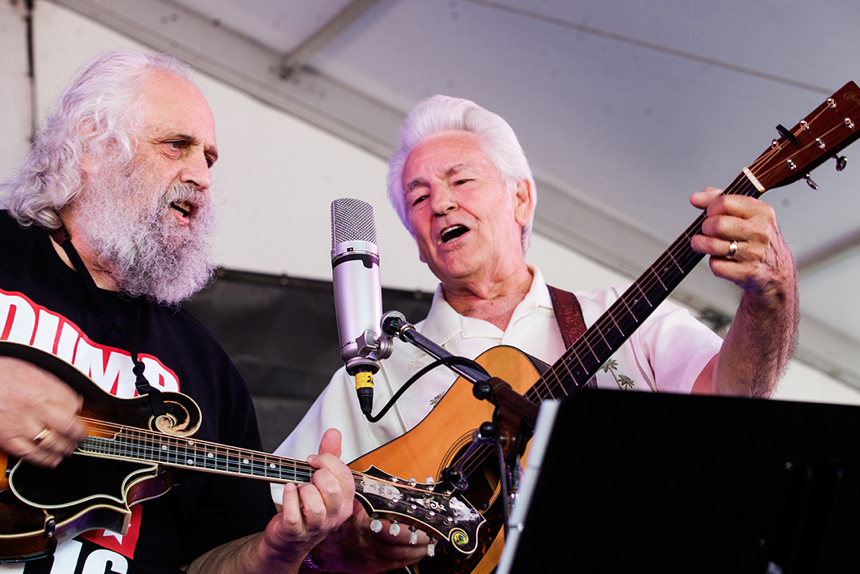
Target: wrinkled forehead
point(444, 153)
point(170, 104)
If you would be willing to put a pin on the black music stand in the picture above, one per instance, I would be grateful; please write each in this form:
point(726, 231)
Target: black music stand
point(673, 483)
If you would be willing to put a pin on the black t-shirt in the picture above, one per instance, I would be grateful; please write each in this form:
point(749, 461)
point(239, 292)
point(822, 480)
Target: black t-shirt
point(44, 303)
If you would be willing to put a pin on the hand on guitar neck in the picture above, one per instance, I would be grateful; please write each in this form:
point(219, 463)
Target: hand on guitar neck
point(37, 414)
point(745, 245)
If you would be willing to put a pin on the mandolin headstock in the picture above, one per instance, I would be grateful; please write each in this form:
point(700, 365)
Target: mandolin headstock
point(428, 507)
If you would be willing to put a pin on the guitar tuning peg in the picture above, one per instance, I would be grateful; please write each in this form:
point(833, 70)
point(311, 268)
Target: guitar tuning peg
point(413, 537)
point(394, 529)
point(841, 162)
point(431, 549)
point(376, 526)
point(811, 183)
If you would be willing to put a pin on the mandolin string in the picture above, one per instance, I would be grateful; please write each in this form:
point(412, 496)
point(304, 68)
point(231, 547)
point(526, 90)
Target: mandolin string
point(151, 445)
point(622, 318)
point(157, 447)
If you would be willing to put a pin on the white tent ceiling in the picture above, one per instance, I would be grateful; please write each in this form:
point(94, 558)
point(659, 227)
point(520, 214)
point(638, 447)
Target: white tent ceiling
point(624, 108)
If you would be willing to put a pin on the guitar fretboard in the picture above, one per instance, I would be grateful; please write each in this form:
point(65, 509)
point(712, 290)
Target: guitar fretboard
point(588, 354)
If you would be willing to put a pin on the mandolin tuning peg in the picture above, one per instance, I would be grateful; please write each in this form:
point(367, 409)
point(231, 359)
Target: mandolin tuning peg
point(376, 525)
point(811, 183)
point(394, 529)
point(841, 162)
point(431, 549)
point(413, 537)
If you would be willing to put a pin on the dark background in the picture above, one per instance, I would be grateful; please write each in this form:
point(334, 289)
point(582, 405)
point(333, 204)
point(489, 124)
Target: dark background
point(281, 332)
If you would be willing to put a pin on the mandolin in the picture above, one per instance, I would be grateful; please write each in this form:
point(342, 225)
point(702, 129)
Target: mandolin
point(127, 456)
point(444, 437)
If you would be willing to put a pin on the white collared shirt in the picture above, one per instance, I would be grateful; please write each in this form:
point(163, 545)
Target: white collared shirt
point(665, 354)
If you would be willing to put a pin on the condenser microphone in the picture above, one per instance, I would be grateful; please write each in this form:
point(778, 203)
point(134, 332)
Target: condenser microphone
point(357, 292)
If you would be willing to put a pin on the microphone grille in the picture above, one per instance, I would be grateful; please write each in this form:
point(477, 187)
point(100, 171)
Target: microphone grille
point(351, 220)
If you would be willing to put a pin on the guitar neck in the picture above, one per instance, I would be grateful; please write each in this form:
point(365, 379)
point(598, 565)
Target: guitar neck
point(588, 354)
point(821, 135)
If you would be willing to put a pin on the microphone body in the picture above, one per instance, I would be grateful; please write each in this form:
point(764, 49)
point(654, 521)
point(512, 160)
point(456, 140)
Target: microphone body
point(357, 292)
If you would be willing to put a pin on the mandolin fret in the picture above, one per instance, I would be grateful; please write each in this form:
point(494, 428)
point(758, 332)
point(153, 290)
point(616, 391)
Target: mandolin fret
point(138, 445)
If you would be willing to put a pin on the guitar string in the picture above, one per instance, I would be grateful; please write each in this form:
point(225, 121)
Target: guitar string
point(553, 380)
point(680, 254)
point(763, 174)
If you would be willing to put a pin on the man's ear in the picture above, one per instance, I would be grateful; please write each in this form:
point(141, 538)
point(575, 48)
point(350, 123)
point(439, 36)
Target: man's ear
point(524, 202)
point(89, 164)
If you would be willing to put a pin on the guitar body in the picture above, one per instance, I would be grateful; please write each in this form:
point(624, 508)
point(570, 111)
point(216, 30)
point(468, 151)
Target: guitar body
point(43, 506)
point(438, 440)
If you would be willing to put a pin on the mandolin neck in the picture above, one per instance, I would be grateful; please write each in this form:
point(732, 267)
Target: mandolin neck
point(133, 444)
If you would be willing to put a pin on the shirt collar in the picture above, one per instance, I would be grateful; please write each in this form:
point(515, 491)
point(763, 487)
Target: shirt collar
point(443, 323)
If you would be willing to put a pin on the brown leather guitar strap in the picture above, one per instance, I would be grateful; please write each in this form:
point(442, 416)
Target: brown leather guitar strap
point(568, 313)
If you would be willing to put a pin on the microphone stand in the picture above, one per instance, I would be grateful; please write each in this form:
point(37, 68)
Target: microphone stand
point(513, 421)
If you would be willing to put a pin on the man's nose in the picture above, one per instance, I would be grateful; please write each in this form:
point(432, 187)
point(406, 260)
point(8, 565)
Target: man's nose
point(196, 173)
point(442, 200)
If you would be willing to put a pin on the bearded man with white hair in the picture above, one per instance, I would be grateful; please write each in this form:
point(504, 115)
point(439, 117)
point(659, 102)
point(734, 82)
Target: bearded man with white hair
point(105, 231)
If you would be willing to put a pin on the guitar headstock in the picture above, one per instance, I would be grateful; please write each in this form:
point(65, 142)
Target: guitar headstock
point(447, 516)
point(818, 137)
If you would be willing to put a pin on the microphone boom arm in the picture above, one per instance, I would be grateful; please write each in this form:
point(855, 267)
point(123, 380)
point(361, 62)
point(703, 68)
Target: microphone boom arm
point(394, 324)
point(486, 387)
point(514, 418)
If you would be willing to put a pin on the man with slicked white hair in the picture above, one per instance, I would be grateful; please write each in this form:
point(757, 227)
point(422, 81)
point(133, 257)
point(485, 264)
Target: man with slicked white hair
point(463, 188)
point(104, 232)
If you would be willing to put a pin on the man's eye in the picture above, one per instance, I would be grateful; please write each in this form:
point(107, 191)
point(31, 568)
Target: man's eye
point(176, 144)
point(462, 181)
point(418, 199)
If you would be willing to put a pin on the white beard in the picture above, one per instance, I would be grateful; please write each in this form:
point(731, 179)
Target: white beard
point(146, 250)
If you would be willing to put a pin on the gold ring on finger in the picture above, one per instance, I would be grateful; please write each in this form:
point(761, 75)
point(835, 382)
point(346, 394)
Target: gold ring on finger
point(733, 250)
point(42, 435)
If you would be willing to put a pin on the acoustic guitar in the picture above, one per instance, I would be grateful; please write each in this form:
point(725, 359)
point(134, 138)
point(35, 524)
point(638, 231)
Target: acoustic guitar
point(127, 458)
point(442, 439)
